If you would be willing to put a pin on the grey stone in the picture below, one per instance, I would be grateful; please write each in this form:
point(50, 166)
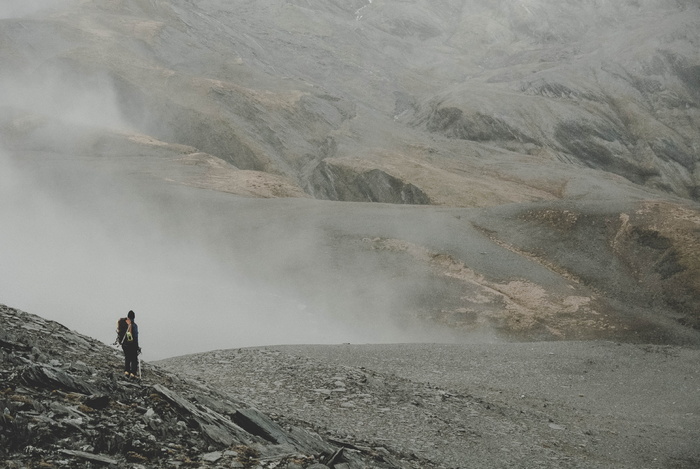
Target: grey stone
point(98, 401)
point(52, 377)
point(218, 428)
point(256, 423)
point(90, 457)
point(213, 456)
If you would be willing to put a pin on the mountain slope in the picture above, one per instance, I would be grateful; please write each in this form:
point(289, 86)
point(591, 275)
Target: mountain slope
point(575, 404)
point(521, 169)
point(65, 405)
point(281, 88)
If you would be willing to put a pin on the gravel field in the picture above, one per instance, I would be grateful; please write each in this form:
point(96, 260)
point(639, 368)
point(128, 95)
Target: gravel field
point(547, 404)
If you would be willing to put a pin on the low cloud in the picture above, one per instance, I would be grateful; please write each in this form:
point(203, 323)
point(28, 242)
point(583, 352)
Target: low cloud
point(83, 247)
point(20, 8)
point(86, 236)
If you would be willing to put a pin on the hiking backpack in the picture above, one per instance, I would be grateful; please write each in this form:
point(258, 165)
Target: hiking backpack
point(122, 328)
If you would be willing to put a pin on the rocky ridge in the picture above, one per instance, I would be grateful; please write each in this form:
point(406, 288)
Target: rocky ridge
point(65, 405)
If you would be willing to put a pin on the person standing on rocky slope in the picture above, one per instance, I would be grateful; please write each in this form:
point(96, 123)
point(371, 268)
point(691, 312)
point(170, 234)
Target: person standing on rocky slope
point(130, 346)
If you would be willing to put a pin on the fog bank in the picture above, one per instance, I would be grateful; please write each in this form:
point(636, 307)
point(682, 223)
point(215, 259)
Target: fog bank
point(83, 247)
point(19, 8)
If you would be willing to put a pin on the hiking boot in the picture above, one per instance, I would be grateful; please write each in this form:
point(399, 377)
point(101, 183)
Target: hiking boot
point(126, 374)
point(133, 376)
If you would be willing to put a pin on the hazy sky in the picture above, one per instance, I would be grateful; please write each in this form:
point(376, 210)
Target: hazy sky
point(17, 8)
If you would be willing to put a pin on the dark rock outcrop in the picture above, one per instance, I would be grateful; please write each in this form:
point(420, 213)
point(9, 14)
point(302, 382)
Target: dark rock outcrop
point(337, 182)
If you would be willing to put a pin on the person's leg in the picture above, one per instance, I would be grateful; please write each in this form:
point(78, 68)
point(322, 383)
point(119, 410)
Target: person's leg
point(133, 361)
point(127, 361)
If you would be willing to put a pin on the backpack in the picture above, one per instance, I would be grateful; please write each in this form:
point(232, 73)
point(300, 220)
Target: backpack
point(122, 327)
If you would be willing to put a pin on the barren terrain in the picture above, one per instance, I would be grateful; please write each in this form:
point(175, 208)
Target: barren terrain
point(501, 197)
point(554, 404)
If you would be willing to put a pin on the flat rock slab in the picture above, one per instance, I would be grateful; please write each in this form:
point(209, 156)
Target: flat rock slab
point(90, 457)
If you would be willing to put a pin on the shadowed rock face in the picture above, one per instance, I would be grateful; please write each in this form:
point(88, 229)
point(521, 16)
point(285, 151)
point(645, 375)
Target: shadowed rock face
point(504, 120)
point(343, 183)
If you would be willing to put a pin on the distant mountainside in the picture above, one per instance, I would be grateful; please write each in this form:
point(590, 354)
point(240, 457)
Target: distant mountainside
point(553, 147)
point(385, 101)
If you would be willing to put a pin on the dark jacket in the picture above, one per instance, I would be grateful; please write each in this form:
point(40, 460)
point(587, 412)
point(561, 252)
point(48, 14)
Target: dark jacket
point(134, 343)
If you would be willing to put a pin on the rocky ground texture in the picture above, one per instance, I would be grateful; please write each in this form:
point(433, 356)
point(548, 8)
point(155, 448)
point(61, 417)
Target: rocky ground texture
point(552, 404)
point(65, 404)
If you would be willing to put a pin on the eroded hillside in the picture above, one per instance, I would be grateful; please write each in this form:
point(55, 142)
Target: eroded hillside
point(526, 169)
point(337, 96)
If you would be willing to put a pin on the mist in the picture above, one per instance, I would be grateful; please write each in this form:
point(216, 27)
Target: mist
point(87, 237)
point(91, 230)
point(19, 8)
point(95, 225)
point(86, 250)
point(83, 244)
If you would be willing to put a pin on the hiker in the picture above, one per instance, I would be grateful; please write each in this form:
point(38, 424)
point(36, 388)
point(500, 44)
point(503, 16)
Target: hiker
point(128, 337)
